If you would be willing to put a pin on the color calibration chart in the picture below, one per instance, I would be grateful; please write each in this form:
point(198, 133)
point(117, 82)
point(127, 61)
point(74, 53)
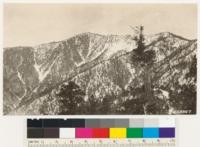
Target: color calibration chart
point(101, 132)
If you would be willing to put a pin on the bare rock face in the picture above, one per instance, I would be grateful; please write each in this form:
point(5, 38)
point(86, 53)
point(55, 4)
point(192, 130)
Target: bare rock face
point(101, 65)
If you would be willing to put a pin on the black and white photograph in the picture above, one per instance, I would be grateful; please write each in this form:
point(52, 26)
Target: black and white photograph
point(99, 59)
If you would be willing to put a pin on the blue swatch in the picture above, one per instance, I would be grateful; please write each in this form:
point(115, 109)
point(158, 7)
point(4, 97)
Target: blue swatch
point(150, 133)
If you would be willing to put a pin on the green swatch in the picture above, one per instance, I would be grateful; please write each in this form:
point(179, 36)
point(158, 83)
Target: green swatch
point(134, 133)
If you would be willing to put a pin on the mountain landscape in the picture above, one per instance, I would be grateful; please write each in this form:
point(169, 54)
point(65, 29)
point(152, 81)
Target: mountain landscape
point(97, 74)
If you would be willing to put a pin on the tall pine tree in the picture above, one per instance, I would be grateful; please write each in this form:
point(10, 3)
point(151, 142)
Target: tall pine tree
point(146, 59)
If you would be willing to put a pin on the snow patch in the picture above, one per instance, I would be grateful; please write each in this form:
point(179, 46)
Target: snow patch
point(42, 73)
point(82, 58)
point(21, 78)
point(114, 47)
point(165, 93)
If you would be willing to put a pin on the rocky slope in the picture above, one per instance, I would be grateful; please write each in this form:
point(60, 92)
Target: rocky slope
point(99, 64)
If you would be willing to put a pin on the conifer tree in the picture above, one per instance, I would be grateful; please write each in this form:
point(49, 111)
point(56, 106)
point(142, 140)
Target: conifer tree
point(71, 98)
point(145, 58)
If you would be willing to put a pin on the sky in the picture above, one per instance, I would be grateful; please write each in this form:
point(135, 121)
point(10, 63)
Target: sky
point(33, 24)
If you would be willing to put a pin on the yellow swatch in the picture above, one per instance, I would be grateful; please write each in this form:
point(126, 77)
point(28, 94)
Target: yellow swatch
point(117, 132)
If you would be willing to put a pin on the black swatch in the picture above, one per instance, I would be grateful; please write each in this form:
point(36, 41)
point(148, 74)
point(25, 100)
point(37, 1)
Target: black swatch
point(34, 123)
point(51, 123)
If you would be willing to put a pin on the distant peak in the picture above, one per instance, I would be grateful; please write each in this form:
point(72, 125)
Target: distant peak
point(164, 34)
point(170, 34)
point(89, 34)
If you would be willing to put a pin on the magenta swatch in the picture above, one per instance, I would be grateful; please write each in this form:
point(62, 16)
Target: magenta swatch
point(83, 133)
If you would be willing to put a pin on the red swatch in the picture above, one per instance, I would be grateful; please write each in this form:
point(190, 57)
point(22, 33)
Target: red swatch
point(100, 133)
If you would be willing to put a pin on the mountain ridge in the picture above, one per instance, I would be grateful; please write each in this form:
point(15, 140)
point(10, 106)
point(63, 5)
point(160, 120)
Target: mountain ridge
point(78, 44)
